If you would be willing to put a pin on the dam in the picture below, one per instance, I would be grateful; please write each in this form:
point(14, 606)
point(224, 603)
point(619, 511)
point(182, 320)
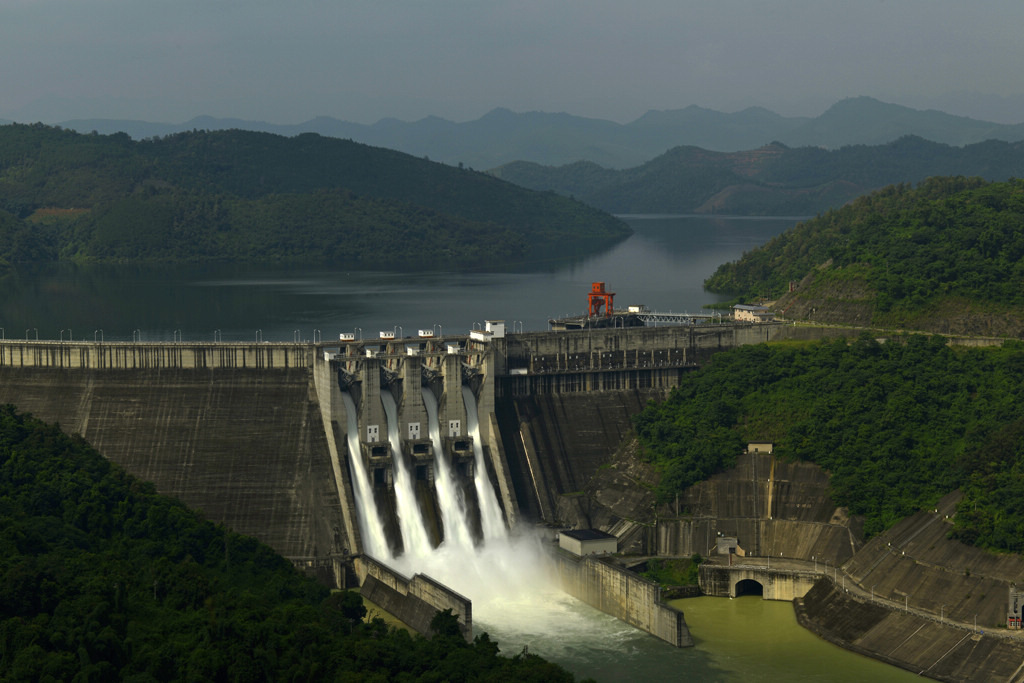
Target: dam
point(258, 435)
point(267, 438)
point(264, 437)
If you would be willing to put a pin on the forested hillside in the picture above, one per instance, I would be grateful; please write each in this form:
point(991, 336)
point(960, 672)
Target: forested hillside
point(946, 256)
point(774, 180)
point(896, 424)
point(242, 196)
point(101, 579)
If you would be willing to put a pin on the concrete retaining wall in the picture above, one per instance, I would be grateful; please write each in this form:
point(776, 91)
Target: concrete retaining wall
point(917, 562)
point(922, 645)
point(413, 600)
point(623, 595)
point(773, 507)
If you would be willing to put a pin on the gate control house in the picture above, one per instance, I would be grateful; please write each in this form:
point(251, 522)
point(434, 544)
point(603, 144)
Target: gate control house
point(582, 542)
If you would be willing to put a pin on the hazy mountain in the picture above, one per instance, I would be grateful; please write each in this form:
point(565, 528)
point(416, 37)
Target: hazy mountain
point(713, 130)
point(866, 121)
point(770, 180)
point(502, 136)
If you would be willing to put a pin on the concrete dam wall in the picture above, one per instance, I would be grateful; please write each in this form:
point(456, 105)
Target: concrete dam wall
point(244, 445)
point(555, 443)
point(254, 435)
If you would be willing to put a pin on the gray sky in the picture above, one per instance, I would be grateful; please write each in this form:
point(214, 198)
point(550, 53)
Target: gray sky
point(286, 61)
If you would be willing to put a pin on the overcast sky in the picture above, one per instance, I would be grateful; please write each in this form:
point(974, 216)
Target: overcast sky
point(286, 61)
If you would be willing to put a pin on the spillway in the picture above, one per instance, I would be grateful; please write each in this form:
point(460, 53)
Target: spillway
point(449, 496)
point(415, 539)
point(371, 526)
point(491, 521)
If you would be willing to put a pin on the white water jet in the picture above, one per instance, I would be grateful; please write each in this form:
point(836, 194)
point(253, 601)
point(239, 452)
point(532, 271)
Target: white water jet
point(371, 526)
point(449, 495)
point(490, 513)
point(508, 579)
point(410, 519)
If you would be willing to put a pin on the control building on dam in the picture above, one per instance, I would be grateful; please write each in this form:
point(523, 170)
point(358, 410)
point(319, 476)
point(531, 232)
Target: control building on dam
point(256, 435)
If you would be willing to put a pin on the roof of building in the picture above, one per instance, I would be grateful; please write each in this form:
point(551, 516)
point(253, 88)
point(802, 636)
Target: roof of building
point(587, 534)
point(750, 307)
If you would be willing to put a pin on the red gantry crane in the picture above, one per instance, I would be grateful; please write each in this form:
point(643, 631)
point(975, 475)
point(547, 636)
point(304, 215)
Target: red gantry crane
point(598, 298)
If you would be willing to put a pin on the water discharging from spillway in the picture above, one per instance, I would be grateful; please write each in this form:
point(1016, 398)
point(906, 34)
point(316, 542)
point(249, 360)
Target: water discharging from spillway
point(410, 518)
point(449, 496)
point(502, 570)
point(371, 526)
point(508, 575)
point(490, 514)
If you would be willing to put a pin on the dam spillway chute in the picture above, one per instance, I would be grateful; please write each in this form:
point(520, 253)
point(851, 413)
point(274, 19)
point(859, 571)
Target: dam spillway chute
point(420, 469)
point(450, 500)
point(371, 525)
point(424, 416)
point(491, 520)
point(415, 539)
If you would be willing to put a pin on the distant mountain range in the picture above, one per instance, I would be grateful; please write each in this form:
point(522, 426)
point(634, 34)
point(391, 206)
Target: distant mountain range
point(771, 180)
point(503, 136)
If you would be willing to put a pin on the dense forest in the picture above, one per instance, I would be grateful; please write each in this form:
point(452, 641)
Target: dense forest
point(244, 196)
point(774, 180)
point(897, 424)
point(905, 256)
point(102, 579)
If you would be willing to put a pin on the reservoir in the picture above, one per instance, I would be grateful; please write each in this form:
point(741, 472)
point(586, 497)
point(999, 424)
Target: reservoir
point(662, 265)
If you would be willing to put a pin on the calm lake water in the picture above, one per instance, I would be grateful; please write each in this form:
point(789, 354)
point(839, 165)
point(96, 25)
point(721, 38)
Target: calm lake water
point(663, 265)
